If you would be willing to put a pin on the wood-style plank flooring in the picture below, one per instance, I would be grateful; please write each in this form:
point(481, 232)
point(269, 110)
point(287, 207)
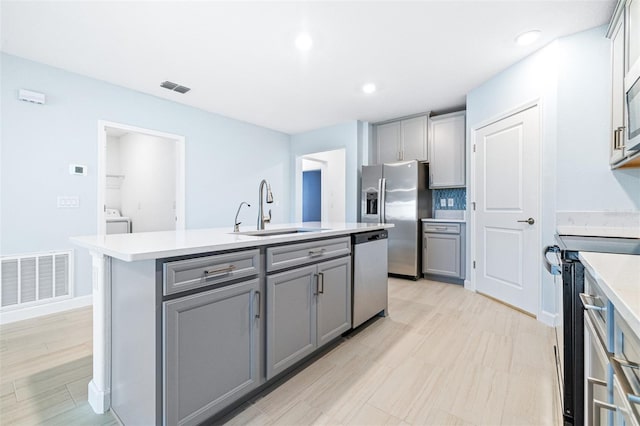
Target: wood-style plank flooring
point(444, 356)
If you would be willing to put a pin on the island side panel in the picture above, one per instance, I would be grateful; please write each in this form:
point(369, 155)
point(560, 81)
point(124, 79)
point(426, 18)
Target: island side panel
point(136, 383)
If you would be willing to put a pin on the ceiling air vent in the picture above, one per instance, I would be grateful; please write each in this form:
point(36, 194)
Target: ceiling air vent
point(175, 87)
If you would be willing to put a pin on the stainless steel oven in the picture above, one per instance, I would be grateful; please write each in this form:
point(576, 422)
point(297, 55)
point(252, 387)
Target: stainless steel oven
point(563, 259)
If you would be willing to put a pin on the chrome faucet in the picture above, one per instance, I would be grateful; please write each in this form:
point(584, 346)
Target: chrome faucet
point(262, 219)
point(236, 226)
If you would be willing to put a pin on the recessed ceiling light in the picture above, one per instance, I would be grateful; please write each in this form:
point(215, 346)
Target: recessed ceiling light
point(527, 38)
point(369, 88)
point(304, 42)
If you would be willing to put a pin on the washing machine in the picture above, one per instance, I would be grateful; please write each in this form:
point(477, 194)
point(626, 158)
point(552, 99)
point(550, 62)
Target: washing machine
point(116, 223)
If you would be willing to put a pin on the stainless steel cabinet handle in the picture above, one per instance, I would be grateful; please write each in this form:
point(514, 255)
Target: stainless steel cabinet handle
point(313, 253)
point(213, 272)
point(530, 221)
point(584, 299)
point(320, 281)
point(258, 313)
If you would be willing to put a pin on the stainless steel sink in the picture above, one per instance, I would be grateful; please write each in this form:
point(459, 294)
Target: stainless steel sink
point(284, 231)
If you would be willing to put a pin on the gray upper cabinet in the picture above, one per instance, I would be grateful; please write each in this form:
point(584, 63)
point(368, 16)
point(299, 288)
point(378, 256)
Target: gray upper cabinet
point(447, 150)
point(618, 135)
point(211, 351)
point(402, 140)
point(306, 308)
point(389, 142)
point(625, 72)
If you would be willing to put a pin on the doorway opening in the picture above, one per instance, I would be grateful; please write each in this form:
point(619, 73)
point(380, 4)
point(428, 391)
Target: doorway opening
point(140, 180)
point(320, 187)
point(311, 195)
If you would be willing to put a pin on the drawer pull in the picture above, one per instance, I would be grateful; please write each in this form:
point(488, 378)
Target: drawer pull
point(259, 312)
point(440, 228)
point(314, 253)
point(208, 273)
point(584, 297)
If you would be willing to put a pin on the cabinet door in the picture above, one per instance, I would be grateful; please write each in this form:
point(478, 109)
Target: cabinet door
point(388, 139)
point(447, 151)
point(291, 318)
point(414, 139)
point(633, 34)
point(211, 351)
point(441, 255)
point(618, 135)
point(334, 299)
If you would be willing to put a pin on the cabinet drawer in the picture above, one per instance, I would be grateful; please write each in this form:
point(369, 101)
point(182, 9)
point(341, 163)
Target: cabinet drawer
point(447, 228)
point(301, 254)
point(188, 274)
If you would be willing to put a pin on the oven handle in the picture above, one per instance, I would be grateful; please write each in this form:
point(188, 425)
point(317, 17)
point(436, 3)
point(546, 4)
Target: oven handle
point(552, 268)
point(584, 297)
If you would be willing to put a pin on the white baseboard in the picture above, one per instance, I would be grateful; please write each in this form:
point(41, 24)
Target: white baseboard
point(469, 286)
point(100, 401)
point(547, 318)
point(45, 309)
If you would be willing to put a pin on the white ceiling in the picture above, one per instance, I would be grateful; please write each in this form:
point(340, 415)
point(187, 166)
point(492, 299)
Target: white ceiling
point(240, 61)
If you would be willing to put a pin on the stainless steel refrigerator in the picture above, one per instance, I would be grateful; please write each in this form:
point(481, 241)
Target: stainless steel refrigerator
point(398, 193)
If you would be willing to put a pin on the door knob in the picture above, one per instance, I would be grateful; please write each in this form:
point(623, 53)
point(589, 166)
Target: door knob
point(530, 221)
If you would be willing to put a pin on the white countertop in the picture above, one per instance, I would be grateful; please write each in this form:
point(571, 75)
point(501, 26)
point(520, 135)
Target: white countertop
point(155, 245)
point(444, 220)
point(619, 277)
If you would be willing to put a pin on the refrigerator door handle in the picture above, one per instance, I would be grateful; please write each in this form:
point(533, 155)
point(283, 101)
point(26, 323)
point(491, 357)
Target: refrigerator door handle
point(382, 186)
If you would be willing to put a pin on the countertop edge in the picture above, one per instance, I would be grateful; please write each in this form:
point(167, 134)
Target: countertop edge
point(246, 241)
point(621, 305)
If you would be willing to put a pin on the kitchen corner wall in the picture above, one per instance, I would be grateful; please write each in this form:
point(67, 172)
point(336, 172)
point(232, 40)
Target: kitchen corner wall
point(350, 136)
point(225, 159)
point(571, 78)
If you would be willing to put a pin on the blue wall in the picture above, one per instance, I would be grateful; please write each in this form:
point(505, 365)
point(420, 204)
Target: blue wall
point(225, 159)
point(312, 196)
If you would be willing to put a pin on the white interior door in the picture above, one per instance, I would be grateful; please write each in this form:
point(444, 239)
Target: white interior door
point(507, 181)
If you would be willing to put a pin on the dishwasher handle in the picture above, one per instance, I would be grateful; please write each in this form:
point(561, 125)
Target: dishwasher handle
point(552, 268)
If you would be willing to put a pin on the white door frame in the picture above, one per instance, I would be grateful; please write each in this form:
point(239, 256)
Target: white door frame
point(473, 189)
point(102, 169)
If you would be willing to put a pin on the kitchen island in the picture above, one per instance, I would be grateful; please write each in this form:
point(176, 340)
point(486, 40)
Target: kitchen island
point(187, 323)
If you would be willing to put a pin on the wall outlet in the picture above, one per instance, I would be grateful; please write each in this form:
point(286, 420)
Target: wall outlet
point(443, 202)
point(450, 202)
point(68, 202)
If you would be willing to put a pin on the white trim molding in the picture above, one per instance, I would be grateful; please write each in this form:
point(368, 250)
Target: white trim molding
point(100, 385)
point(45, 309)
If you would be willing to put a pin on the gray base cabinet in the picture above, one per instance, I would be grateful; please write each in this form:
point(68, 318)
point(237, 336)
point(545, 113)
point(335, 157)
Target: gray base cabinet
point(307, 307)
point(212, 351)
point(443, 249)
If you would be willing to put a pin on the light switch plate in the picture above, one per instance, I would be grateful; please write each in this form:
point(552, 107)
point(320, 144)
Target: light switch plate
point(443, 202)
point(68, 202)
point(450, 202)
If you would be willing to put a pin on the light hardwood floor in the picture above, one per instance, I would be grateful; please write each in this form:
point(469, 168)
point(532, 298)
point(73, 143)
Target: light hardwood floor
point(444, 356)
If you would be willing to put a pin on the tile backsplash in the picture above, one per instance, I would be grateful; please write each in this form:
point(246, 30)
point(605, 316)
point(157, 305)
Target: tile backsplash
point(458, 195)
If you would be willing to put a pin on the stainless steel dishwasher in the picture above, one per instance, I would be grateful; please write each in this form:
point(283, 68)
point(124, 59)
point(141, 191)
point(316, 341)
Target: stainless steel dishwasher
point(370, 271)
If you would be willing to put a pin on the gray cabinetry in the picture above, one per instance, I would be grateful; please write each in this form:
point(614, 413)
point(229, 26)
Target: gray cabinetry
point(334, 299)
point(211, 351)
point(291, 311)
point(443, 245)
point(447, 150)
point(306, 308)
point(402, 140)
